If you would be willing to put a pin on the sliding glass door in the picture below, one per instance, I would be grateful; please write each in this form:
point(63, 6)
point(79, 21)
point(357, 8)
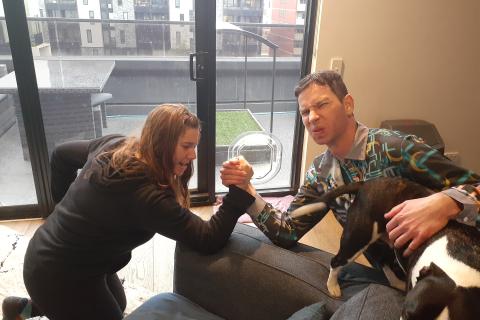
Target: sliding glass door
point(259, 51)
point(90, 68)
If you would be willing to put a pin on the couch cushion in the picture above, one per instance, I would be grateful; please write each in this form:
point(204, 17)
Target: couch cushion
point(167, 306)
point(374, 302)
point(251, 278)
point(316, 311)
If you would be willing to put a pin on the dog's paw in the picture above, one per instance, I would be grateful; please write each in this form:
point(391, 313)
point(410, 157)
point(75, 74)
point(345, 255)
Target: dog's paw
point(334, 290)
point(332, 282)
point(334, 287)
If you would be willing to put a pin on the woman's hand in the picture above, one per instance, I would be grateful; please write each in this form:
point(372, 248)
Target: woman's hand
point(417, 220)
point(237, 171)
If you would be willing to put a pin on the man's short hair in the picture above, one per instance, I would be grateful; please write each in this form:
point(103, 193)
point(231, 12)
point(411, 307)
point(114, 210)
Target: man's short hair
point(324, 78)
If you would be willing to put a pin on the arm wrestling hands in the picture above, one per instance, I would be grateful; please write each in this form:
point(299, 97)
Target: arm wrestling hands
point(237, 171)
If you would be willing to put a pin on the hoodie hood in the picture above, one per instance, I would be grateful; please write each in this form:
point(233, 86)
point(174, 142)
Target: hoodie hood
point(101, 173)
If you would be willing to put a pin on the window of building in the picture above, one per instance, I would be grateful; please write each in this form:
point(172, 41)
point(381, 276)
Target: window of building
point(41, 13)
point(125, 16)
point(85, 2)
point(122, 36)
point(182, 17)
point(178, 38)
point(89, 36)
point(91, 14)
point(62, 13)
point(177, 3)
point(120, 3)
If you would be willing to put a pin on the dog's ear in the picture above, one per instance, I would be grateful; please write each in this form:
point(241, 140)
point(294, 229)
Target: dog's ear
point(432, 269)
point(432, 293)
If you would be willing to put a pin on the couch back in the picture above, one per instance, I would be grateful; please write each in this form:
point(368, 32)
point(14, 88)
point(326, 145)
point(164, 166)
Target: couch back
point(251, 278)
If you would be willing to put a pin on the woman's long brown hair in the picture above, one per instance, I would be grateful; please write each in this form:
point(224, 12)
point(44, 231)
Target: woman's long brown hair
point(155, 149)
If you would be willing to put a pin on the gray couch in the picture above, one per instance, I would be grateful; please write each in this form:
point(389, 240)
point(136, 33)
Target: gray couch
point(250, 278)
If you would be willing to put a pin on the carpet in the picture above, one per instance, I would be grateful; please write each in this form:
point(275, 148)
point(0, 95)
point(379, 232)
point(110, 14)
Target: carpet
point(12, 250)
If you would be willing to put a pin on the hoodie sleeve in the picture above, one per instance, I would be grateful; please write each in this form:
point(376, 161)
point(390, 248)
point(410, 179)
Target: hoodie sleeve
point(67, 158)
point(161, 213)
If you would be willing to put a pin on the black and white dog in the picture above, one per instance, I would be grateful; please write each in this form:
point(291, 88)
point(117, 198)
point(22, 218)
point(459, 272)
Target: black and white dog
point(443, 275)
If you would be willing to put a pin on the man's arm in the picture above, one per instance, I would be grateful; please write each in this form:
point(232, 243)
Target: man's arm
point(417, 220)
point(278, 226)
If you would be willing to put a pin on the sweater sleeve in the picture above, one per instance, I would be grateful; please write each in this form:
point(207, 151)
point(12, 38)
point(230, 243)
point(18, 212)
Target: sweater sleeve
point(469, 197)
point(67, 158)
point(163, 214)
point(280, 227)
point(427, 166)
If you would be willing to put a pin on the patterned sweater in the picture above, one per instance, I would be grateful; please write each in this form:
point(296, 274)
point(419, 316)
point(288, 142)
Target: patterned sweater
point(375, 153)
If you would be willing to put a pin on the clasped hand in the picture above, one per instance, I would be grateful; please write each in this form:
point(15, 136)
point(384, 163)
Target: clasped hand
point(237, 171)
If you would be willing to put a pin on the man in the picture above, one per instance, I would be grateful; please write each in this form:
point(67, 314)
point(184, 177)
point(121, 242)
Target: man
point(358, 153)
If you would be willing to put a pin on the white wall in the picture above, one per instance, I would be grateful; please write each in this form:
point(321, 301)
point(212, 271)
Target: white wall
point(408, 59)
point(84, 9)
point(118, 11)
point(185, 34)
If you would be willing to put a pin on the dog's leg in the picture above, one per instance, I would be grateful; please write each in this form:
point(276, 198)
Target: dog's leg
point(354, 240)
point(392, 278)
point(332, 282)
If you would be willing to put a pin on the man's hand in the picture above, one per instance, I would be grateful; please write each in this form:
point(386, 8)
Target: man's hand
point(237, 171)
point(419, 219)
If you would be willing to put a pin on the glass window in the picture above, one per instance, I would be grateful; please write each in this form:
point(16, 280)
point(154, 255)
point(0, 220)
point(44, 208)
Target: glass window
point(178, 38)
point(182, 17)
point(251, 97)
point(128, 96)
point(89, 36)
point(85, 2)
point(177, 3)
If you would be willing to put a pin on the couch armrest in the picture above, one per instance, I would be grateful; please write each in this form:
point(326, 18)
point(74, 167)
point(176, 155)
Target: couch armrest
point(251, 278)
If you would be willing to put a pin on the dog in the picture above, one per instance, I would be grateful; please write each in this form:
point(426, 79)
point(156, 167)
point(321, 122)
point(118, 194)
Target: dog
point(443, 275)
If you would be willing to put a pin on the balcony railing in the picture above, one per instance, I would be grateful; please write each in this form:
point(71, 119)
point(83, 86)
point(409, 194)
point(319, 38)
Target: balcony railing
point(61, 33)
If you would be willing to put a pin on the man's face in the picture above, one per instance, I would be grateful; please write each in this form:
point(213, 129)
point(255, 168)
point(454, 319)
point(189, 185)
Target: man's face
point(325, 117)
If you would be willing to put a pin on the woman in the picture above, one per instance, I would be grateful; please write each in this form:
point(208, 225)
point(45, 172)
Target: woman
point(127, 190)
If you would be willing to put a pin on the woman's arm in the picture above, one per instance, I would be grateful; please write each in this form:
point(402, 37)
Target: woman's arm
point(66, 159)
point(161, 213)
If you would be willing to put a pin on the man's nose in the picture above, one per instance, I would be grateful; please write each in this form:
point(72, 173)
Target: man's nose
point(312, 116)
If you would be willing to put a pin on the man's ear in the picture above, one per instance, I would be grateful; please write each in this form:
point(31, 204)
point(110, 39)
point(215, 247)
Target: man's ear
point(349, 104)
